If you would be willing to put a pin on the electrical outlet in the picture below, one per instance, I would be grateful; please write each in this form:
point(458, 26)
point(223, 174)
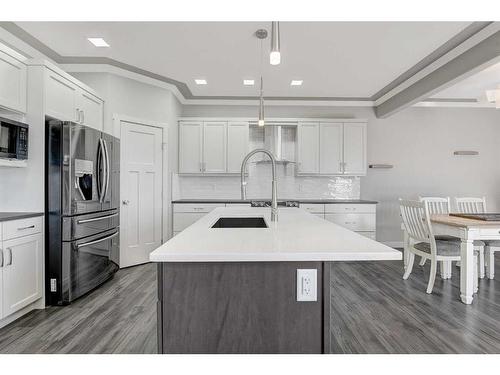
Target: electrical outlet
point(307, 285)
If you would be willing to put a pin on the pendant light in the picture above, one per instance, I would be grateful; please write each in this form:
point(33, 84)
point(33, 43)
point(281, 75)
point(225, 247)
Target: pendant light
point(261, 34)
point(261, 103)
point(275, 55)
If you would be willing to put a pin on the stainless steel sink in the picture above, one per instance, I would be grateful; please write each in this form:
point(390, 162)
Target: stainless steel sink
point(240, 222)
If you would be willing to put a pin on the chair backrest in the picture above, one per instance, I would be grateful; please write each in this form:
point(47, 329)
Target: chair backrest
point(415, 216)
point(437, 205)
point(471, 205)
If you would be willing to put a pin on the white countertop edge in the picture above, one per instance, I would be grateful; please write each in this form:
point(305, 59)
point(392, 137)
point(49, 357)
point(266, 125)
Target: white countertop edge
point(276, 257)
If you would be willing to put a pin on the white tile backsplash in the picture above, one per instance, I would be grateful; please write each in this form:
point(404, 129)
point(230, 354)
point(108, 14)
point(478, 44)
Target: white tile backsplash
point(259, 185)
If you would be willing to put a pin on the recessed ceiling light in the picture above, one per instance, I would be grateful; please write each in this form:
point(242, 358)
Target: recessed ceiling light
point(296, 82)
point(201, 81)
point(98, 42)
point(248, 82)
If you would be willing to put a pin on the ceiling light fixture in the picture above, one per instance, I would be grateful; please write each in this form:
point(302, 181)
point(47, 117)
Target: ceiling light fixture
point(200, 81)
point(275, 55)
point(296, 82)
point(98, 42)
point(248, 82)
point(261, 34)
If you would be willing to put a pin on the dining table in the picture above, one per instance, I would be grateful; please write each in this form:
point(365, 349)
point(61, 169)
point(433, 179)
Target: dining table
point(468, 230)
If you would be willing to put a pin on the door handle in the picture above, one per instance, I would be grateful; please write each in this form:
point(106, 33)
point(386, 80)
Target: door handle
point(106, 153)
point(125, 202)
point(78, 246)
point(24, 228)
point(10, 257)
point(96, 219)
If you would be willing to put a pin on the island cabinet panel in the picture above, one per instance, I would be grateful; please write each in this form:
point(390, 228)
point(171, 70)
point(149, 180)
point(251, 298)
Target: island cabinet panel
point(240, 307)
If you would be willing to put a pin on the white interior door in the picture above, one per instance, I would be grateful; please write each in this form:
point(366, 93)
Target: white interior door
point(141, 192)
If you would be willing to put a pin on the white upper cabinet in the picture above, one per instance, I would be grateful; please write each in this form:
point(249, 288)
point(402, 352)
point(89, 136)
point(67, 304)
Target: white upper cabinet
point(237, 145)
point(214, 147)
point(190, 147)
point(355, 148)
point(60, 97)
point(66, 101)
point(91, 110)
point(13, 87)
point(308, 148)
point(331, 148)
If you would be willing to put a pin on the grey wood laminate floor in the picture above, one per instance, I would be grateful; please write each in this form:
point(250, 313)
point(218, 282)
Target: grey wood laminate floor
point(373, 311)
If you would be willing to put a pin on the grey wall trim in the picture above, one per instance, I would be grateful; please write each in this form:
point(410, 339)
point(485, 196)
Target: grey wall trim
point(458, 39)
point(483, 53)
point(183, 88)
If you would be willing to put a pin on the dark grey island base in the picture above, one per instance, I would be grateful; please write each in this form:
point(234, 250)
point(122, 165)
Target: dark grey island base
point(241, 307)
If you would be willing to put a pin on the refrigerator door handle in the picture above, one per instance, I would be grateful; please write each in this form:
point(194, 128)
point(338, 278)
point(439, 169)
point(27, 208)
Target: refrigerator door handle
point(106, 153)
point(101, 186)
point(79, 246)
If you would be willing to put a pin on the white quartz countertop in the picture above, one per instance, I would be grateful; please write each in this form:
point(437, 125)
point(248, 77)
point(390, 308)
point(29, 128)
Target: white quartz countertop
point(296, 236)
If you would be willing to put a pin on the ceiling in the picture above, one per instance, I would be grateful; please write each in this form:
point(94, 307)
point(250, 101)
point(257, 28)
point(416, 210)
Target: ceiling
point(334, 59)
point(475, 86)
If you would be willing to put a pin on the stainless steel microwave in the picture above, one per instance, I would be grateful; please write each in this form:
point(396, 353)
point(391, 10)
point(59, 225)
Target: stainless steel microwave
point(13, 139)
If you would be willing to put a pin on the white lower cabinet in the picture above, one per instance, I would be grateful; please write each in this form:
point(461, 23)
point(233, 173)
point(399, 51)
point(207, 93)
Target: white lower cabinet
point(360, 218)
point(185, 214)
point(21, 265)
point(22, 272)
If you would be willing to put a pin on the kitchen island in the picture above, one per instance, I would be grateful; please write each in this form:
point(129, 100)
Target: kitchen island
point(234, 285)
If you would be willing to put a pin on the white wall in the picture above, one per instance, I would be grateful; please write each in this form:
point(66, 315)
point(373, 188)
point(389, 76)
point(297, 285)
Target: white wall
point(127, 97)
point(419, 142)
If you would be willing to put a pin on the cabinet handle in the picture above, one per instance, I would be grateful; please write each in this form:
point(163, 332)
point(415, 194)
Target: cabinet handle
point(83, 117)
point(77, 115)
point(24, 228)
point(10, 257)
point(1, 258)
point(201, 166)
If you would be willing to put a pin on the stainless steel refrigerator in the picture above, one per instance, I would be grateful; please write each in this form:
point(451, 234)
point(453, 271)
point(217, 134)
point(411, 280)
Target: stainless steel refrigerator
point(82, 205)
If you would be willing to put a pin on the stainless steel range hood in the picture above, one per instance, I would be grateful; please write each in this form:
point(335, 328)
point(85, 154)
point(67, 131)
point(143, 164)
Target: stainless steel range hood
point(273, 142)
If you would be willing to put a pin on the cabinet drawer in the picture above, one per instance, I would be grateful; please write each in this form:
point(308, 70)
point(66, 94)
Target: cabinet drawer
point(355, 222)
point(342, 208)
point(192, 207)
point(313, 208)
point(370, 235)
point(22, 227)
point(182, 220)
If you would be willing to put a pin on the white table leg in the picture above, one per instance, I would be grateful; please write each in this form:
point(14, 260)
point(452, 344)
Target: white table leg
point(467, 271)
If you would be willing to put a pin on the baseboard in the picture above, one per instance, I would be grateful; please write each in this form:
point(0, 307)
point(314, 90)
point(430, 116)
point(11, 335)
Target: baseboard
point(37, 305)
point(395, 244)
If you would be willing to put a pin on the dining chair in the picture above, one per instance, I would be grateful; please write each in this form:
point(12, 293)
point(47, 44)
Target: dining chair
point(439, 206)
point(469, 205)
point(422, 242)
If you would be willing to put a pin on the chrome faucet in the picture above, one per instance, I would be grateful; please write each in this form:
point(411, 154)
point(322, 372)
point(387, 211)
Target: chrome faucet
point(274, 199)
